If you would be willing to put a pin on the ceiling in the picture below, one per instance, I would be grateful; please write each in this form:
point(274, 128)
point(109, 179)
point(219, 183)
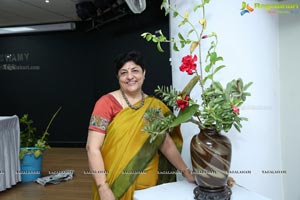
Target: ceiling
point(25, 12)
point(37, 12)
point(21, 12)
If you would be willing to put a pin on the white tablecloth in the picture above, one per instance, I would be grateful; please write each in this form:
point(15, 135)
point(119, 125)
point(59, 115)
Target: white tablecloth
point(9, 152)
point(182, 190)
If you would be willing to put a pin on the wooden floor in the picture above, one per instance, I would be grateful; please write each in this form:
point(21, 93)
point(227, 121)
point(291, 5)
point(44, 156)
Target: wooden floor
point(57, 159)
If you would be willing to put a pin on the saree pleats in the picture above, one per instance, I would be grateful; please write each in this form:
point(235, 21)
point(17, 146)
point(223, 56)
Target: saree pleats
point(131, 161)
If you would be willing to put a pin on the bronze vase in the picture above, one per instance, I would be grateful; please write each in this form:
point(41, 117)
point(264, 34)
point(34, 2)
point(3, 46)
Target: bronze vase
point(211, 158)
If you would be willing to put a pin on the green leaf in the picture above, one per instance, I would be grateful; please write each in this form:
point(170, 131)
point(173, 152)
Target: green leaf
point(165, 5)
point(159, 47)
point(216, 106)
point(175, 14)
point(244, 118)
point(213, 57)
point(160, 32)
point(185, 115)
point(162, 38)
point(167, 11)
point(191, 84)
point(181, 37)
point(197, 7)
point(175, 48)
point(188, 41)
point(239, 124)
point(219, 68)
point(218, 100)
point(182, 44)
point(22, 153)
point(37, 153)
point(148, 37)
point(240, 85)
point(207, 77)
point(219, 58)
point(228, 90)
point(238, 102)
point(208, 67)
point(192, 30)
point(246, 94)
point(247, 86)
point(162, 5)
point(218, 85)
point(182, 23)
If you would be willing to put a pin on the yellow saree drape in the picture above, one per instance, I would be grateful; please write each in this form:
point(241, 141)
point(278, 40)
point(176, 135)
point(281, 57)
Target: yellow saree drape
point(131, 161)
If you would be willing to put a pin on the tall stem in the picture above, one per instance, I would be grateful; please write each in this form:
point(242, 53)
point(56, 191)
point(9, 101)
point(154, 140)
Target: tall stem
point(49, 124)
point(199, 36)
point(200, 53)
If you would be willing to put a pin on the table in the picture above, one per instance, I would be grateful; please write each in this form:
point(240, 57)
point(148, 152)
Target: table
point(9, 152)
point(183, 190)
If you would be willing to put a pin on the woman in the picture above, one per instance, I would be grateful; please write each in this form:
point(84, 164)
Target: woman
point(121, 158)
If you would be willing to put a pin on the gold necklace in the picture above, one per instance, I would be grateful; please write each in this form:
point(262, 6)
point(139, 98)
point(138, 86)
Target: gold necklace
point(132, 106)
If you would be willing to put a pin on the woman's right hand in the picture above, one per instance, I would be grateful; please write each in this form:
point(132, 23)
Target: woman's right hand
point(106, 193)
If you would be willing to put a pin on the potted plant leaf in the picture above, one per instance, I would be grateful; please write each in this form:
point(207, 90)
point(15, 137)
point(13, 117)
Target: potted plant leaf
point(32, 148)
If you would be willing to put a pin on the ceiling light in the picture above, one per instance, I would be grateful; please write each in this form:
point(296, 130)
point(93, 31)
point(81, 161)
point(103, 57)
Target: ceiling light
point(38, 28)
point(16, 29)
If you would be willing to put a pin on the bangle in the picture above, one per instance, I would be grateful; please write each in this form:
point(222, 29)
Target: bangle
point(101, 184)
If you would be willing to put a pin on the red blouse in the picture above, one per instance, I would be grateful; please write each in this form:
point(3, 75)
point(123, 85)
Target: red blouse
point(104, 111)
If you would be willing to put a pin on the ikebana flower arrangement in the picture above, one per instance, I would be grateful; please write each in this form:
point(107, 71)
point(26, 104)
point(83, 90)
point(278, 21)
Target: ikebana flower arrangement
point(220, 104)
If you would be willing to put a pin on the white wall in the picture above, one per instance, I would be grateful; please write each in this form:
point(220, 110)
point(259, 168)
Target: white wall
point(249, 46)
point(289, 33)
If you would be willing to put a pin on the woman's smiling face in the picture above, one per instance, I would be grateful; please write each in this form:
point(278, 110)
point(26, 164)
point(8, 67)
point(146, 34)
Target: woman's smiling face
point(131, 77)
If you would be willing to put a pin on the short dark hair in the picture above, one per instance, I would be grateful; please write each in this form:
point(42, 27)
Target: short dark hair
point(134, 56)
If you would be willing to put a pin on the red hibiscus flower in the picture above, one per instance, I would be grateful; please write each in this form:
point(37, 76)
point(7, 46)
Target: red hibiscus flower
point(235, 109)
point(182, 103)
point(188, 64)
